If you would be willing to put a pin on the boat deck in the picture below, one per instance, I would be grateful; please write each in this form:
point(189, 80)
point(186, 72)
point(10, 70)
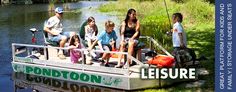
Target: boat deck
point(52, 56)
point(46, 63)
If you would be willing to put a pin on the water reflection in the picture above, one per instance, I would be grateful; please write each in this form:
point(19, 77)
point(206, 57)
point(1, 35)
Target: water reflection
point(42, 84)
point(15, 20)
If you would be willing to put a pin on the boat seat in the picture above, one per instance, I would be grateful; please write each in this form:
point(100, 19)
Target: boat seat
point(82, 30)
point(136, 53)
point(47, 41)
point(82, 34)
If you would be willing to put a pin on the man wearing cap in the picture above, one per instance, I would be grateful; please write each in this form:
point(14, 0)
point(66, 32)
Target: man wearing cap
point(53, 27)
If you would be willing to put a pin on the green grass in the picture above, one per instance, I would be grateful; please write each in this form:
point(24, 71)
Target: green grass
point(198, 23)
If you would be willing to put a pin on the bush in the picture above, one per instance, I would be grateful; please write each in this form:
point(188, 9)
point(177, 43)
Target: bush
point(198, 16)
point(198, 23)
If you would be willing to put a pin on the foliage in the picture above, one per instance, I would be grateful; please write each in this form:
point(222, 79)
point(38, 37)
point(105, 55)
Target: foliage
point(153, 17)
point(198, 22)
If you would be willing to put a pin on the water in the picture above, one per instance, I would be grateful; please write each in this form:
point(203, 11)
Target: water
point(24, 82)
point(16, 20)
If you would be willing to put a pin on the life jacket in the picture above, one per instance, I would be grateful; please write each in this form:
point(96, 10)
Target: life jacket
point(162, 61)
point(114, 55)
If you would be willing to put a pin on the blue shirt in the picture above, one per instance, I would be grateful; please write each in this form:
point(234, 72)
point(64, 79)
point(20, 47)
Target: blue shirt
point(105, 38)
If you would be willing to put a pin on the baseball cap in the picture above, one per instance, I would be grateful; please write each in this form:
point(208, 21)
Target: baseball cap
point(59, 10)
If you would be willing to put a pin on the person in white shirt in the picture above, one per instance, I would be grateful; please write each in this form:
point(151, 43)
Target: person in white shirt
point(90, 31)
point(179, 38)
point(54, 28)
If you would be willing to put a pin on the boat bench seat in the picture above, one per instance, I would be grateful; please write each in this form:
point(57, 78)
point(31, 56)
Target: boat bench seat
point(48, 42)
point(51, 43)
point(82, 33)
point(136, 53)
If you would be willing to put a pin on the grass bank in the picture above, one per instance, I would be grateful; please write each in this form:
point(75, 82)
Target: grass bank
point(198, 23)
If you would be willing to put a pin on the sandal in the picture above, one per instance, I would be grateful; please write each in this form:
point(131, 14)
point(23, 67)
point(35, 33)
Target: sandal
point(89, 63)
point(106, 65)
point(118, 66)
point(61, 56)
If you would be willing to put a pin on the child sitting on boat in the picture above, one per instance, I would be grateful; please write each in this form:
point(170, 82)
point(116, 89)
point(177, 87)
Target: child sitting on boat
point(75, 55)
point(90, 31)
point(106, 40)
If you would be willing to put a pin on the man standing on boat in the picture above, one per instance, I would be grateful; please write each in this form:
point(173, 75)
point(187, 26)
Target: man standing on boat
point(53, 27)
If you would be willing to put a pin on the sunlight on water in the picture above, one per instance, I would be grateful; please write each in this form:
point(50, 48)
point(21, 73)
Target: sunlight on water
point(16, 20)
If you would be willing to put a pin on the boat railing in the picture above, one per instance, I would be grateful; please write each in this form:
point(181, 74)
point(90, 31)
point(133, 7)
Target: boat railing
point(152, 42)
point(28, 49)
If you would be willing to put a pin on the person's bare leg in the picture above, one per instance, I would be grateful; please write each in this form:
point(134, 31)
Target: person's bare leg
point(63, 41)
point(89, 43)
point(104, 56)
point(89, 56)
point(113, 47)
point(104, 59)
point(130, 50)
point(107, 58)
point(122, 46)
point(62, 44)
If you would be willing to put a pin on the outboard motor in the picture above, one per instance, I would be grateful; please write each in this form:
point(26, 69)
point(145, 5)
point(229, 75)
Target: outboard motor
point(33, 30)
point(35, 51)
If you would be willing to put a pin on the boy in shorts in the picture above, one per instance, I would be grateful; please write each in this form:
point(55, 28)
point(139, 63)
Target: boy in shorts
point(106, 41)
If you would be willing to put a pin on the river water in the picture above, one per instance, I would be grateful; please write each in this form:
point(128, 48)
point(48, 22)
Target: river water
point(15, 22)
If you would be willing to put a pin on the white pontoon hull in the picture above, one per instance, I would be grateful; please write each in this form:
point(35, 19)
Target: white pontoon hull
point(94, 78)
